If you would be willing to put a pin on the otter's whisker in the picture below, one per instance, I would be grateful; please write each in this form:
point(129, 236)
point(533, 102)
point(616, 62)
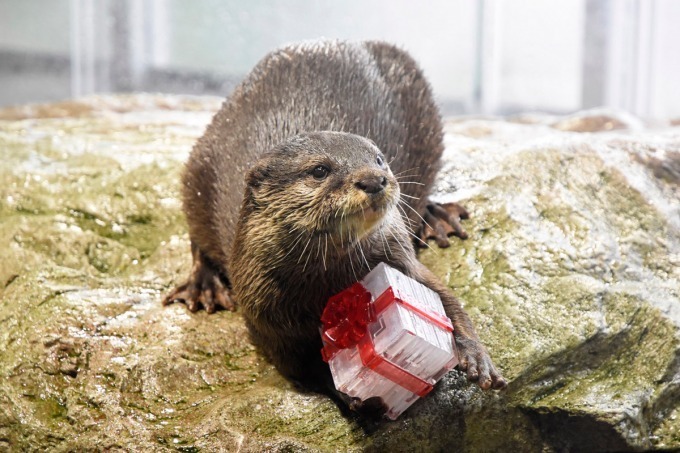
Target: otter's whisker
point(351, 263)
point(411, 182)
point(406, 178)
point(325, 251)
point(342, 243)
point(409, 196)
point(410, 233)
point(398, 241)
point(295, 244)
point(416, 212)
point(385, 244)
point(406, 218)
point(361, 249)
point(422, 242)
point(306, 261)
point(303, 250)
point(408, 169)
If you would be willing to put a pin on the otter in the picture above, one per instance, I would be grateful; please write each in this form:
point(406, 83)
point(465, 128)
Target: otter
point(317, 168)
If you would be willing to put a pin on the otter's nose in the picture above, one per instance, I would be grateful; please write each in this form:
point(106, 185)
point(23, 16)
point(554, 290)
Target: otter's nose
point(371, 183)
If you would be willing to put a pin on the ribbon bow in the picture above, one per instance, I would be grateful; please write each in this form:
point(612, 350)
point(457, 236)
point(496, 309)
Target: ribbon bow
point(346, 317)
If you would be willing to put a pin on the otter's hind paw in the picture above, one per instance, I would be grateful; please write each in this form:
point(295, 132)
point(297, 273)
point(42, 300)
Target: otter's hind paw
point(205, 288)
point(442, 221)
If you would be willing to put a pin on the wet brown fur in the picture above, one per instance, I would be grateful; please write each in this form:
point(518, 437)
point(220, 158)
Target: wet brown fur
point(293, 241)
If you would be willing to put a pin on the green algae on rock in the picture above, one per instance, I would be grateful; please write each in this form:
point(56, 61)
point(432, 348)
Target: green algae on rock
point(571, 274)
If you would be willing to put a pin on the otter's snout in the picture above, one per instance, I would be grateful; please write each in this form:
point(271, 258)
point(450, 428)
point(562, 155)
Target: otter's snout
point(371, 184)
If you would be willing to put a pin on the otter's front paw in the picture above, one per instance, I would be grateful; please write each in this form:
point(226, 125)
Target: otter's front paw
point(442, 221)
point(208, 295)
point(475, 360)
point(205, 288)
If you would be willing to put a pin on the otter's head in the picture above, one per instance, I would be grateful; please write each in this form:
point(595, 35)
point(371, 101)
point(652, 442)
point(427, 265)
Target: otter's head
point(330, 183)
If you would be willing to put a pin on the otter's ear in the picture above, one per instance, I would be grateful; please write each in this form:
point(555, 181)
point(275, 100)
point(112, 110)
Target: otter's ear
point(256, 176)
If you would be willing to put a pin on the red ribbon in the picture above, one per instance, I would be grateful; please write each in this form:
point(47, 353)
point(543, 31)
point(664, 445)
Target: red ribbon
point(391, 371)
point(388, 297)
point(345, 319)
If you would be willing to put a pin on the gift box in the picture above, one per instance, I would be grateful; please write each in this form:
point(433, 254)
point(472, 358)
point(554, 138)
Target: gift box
point(387, 336)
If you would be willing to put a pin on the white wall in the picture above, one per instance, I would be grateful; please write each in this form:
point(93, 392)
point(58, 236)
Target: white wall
point(231, 36)
point(664, 61)
point(488, 56)
point(35, 26)
point(540, 51)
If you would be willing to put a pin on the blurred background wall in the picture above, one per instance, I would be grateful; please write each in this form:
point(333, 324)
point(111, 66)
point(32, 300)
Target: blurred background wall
point(483, 56)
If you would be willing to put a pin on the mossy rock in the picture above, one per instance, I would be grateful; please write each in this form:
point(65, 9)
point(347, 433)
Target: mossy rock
point(571, 275)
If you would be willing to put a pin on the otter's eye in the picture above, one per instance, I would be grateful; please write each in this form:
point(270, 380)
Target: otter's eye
point(379, 160)
point(320, 172)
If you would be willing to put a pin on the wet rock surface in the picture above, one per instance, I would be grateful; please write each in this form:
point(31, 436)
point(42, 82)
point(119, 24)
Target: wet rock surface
point(571, 273)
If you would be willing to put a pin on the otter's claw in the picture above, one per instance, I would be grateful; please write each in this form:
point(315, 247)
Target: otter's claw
point(209, 296)
point(205, 288)
point(476, 361)
point(442, 221)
